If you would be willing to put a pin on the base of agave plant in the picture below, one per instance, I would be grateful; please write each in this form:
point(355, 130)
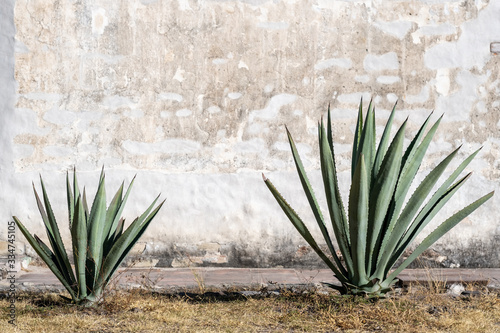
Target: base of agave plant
point(88, 301)
point(374, 288)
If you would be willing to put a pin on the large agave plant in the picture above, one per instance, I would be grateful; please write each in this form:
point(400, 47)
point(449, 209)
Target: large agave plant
point(378, 226)
point(99, 242)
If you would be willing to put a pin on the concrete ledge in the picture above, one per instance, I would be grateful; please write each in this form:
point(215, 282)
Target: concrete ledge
point(38, 278)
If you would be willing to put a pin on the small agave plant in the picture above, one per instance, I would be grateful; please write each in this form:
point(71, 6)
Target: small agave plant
point(378, 226)
point(99, 241)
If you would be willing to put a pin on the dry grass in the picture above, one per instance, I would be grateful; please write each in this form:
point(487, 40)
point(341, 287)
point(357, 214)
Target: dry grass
point(419, 310)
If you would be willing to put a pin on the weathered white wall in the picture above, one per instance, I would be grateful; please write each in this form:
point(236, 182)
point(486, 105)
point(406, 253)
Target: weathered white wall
point(193, 95)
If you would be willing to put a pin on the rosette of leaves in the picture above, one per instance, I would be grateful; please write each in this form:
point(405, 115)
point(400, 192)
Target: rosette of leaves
point(99, 240)
point(379, 223)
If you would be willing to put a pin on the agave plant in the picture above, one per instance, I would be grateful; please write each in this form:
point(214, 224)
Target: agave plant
point(99, 241)
point(378, 226)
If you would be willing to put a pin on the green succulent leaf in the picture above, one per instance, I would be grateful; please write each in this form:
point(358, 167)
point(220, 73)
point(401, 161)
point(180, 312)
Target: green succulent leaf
point(96, 225)
point(333, 198)
point(313, 202)
point(357, 137)
point(46, 255)
point(79, 239)
point(384, 143)
point(54, 235)
point(440, 231)
point(302, 229)
point(358, 218)
point(381, 195)
point(124, 244)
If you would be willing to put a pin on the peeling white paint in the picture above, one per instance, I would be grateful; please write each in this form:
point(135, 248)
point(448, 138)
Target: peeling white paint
point(170, 96)
point(362, 78)
point(184, 5)
point(219, 61)
point(183, 113)
point(443, 81)
point(251, 146)
point(134, 114)
point(99, 20)
point(437, 30)
point(22, 151)
point(57, 151)
point(392, 98)
point(422, 97)
point(115, 102)
point(273, 25)
point(380, 62)
point(388, 79)
point(398, 29)
point(179, 75)
point(472, 47)
point(455, 104)
point(234, 95)
point(165, 114)
point(273, 107)
point(337, 62)
point(214, 109)
point(353, 98)
point(169, 146)
point(242, 64)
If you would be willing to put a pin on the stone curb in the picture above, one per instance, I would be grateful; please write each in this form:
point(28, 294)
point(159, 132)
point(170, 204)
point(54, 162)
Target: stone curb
point(206, 278)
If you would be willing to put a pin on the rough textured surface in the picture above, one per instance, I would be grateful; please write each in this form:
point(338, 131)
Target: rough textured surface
point(193, 96)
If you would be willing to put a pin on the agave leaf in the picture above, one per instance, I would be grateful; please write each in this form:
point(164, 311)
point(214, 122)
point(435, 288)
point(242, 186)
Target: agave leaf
point(101, 176)
point(47, 256)
point(333, 198)
point(358, 221)
point(138, 234)
point(55, 237)
point(108, 244)
point(409, 167)
point(340, 204)
point(312, 201)
point(123, 245)
point(70, 199)
point(440, 231)
point(393, 236)
point(420, 222)
point(96, 228)
point(119, 230)
point(381, 194)
point(411, 163)
point(367, 141)
point(76, 188)
point(329, 130)
point(41, 209)
point(416, 140)
point(113, 212)
point(357, 138)
point(72, 195)
point(79, 238)
point(384, 143)
point(439, 193)
point(85, 206)
point(302, 229)
point(122, 205)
